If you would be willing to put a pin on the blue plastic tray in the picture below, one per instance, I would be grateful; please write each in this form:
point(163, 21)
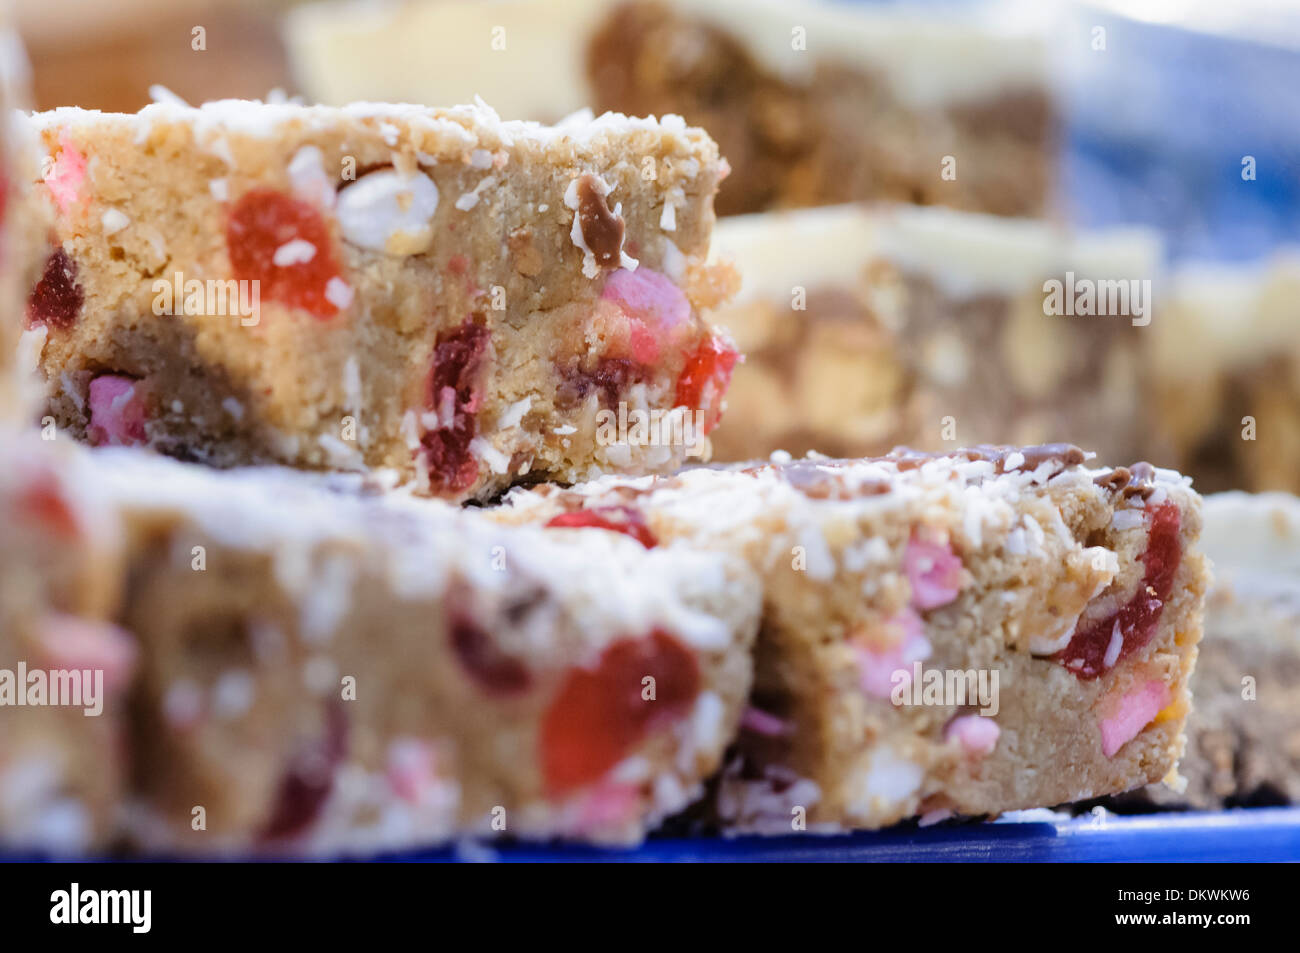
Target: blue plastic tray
point(1259, 835)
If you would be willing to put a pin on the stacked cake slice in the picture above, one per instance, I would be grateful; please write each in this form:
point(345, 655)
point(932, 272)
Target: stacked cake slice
point(813, 102)
point(971, 632)
point(347, 320)
point(866, 327)
point(1243, 737)
point(437, 292)
point(327, 667)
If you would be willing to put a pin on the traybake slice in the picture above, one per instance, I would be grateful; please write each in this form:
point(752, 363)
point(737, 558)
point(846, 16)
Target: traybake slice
point(1231, 328)
point(64, 666)
point(814, 103)
point(1243, 736)
point(866, 327)
point(324, 669)
point(970, 633)
point(435, 291)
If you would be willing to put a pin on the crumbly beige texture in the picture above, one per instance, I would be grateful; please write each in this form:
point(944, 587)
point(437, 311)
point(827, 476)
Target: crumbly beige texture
point(61, 770)
point(840, 133)
point(934, 340)
point(479, 232)
point(1243, 736)
point(1045, 545)
point(324, 669)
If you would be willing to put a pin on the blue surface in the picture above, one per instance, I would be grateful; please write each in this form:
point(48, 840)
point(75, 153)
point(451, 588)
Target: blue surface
point(1259, 835)
point(1157, 126)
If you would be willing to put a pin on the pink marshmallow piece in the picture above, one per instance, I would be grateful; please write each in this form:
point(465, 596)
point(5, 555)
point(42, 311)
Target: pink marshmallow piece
point(67, 175)
point(650, 296)
point(764, 723)
point(116, 412)
point(1135, 711)
point(876, 667)
point(412, 769)
point(609, 804)
point(69, 643)
point(656, 309)
point(977, 735)
point(934, 572)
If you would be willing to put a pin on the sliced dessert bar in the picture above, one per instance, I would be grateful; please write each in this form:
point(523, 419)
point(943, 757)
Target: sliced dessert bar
point(325, 669)
point(982, 631)
point(435, 291)
point(869, 327)
point(19, 232)
point(1232, 330)
point(63, 667)
point(813, 103)
point(1243, 736)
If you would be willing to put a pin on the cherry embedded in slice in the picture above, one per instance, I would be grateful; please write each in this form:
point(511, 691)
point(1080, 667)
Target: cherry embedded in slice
point(262, 223)
point(309, 779)
point(57, 299)
point(619, 519)
point(453, 391)
point(1135, 622)
point(482, 659)
point(43, 504)
point(610, 376)
point(600, 714)
point(704, 380)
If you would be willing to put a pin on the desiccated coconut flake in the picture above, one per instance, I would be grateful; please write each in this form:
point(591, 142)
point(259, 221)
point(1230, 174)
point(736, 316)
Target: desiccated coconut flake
point(513, 414)
point(339, 293)
point(497, 461)
point(308, 179)
point(299, 251)
point(1115, 646)
point(409, 430)
point(114, 221)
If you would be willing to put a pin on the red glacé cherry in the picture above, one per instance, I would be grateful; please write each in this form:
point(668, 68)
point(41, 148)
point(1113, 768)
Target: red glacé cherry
point(491, 669)
point(705, 379)
point(264, 220)
point(57, 299)
point(1137, 619)
point(458, 357)
point(619, 519)
point(599, 714)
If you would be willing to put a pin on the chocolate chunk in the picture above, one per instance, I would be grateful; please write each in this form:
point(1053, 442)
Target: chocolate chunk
point(602, 230)
point(1064, 453)
point(1115, 479)
point(1137, 480)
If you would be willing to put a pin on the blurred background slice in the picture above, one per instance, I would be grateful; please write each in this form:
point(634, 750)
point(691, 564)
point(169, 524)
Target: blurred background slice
point(106, 55)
